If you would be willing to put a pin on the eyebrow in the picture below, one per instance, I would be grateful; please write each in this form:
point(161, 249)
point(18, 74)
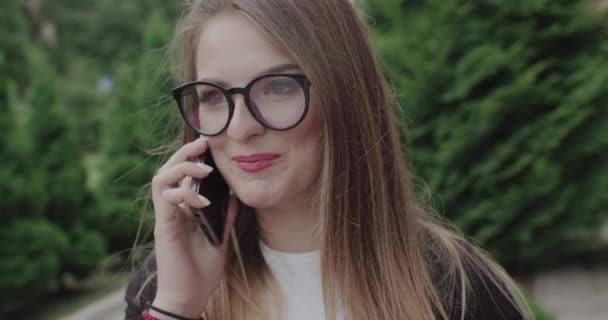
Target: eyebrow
point(274, 69)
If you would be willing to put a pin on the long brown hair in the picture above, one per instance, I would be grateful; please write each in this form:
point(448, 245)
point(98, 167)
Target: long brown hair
point(379, 246)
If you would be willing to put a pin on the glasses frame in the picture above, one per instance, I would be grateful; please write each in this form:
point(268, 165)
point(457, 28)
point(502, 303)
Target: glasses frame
point(301, 79)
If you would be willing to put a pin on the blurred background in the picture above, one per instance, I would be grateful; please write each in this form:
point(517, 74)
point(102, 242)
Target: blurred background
point(505, 113)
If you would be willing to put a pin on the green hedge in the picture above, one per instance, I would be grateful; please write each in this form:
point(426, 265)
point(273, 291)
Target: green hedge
point(139, 119)
point(48, 227)
point(505, 104)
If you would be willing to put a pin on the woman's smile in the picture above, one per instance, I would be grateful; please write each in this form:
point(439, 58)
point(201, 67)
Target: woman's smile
point(255, 162)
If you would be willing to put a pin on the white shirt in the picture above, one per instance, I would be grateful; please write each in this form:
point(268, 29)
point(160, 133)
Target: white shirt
point(299, 278)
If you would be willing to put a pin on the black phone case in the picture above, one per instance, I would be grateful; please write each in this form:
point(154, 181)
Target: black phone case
point(212, 218)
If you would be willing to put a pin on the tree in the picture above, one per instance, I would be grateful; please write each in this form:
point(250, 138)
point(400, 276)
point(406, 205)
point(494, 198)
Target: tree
point(138, 120)
point(505, 103)
point(31, 249)
point(30, 246)
point(69, 204)
point(109, 32)
point(13, 40)
point(51, 223)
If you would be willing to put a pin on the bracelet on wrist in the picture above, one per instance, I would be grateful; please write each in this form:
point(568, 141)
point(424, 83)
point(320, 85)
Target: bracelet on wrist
point(147, 316)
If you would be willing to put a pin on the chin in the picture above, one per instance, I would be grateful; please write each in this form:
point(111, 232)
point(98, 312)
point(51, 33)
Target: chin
point(255, 197)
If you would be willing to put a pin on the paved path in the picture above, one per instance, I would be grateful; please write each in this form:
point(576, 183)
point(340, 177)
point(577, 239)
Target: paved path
point(112, 307)
point(574, 293)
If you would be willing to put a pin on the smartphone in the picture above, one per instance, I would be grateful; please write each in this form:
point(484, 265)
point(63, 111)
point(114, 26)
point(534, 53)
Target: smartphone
point(212, 218)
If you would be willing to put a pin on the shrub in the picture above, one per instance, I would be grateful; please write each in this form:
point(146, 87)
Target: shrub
point(506, 108)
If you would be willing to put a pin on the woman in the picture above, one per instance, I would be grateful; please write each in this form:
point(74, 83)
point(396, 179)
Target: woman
point(326, 224)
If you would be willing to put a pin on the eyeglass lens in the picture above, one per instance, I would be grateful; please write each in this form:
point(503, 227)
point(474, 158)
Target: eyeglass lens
point(277, 102)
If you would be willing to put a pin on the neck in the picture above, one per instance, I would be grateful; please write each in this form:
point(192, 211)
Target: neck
point(289, 228)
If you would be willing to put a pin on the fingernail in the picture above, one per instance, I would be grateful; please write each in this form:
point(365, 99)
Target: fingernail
point(205, 167)
point(204, 200)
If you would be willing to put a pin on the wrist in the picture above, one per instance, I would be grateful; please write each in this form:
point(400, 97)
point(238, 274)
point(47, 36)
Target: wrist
point(154, 313)
point(158, 316)
point(192, 310)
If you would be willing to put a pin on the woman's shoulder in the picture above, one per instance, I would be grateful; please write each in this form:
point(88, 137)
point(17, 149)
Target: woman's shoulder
point(464, 276)
point(489, 294)
point(141, 288)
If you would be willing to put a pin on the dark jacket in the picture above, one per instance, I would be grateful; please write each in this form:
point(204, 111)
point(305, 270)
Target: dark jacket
point(485, 302)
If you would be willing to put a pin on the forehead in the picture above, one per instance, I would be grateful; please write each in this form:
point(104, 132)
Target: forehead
point(233, 49)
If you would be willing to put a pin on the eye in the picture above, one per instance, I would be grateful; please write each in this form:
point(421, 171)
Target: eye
point(283, 86)
point(210, 97)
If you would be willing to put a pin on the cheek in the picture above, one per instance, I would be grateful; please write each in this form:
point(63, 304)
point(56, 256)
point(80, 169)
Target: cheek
point(216, 148)
point(306, 144)
point(311, 125)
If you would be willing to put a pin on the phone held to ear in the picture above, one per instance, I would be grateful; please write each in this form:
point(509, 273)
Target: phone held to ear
point(212, 218)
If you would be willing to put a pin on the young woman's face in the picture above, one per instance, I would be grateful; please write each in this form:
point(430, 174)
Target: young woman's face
point(233, 51)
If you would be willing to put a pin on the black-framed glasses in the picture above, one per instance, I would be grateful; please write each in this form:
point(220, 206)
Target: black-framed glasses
point(277, 101)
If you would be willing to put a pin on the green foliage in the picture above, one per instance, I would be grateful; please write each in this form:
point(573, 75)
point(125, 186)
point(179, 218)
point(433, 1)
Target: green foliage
point(86, 250)
point(68, 202)
point(15, 172)
point(50, 114)
point(136, 121)
point(505, 103)
point(109, 31)
point(13, 38)
point(80, 97)
point(31, 251)
point(47, 213)
point(95, 39)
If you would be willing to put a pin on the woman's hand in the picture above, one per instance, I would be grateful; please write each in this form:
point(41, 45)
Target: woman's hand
point(189, 267)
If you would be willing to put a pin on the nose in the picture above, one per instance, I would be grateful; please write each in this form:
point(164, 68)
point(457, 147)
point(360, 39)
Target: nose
point(243, 125)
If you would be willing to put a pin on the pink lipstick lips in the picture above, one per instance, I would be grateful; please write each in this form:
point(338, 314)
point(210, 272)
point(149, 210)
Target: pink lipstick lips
point(255, 162)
